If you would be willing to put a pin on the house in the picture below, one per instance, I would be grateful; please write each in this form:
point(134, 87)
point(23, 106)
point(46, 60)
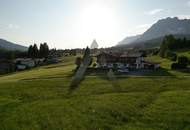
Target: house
point(39, 61)
point(132, 60)
point(120, 60)
point(24, 63)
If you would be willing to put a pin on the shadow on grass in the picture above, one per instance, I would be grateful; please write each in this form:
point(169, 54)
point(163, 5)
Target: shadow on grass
point(57, 65)
point(113, 77)
point(140, 72)
point(159, 72)
point(187, 71)
point(59, 76)
point(105, 74)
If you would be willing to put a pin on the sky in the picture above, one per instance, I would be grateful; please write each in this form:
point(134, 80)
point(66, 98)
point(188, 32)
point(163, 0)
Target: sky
point(75, 23)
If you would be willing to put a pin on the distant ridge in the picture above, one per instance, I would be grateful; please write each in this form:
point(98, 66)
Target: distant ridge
point(129, 40)
point(154, 35)
point(11, 46)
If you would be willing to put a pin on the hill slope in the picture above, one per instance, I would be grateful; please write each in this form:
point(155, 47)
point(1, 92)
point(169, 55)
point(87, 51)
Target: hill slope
point(129, 40)
point(11, 46)
point(153, 43)
point(163, 27)
point(37, 99)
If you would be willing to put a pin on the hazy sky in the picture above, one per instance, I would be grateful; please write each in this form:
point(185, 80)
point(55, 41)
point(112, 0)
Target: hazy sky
point(75, 23)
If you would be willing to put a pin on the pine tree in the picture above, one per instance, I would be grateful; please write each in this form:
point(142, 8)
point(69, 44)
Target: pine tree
point(30, 51)
point(41, 51)
point(163, 48)
point(35, 51)
point(166, 45)
point(46, 49)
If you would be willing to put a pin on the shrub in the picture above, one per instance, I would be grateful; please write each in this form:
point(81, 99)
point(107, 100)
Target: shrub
point(177, 66)
point(174, 58)
point(155, 52)
point(171, 55)
point(94, 65)
point(183, 60)
point(182, 63)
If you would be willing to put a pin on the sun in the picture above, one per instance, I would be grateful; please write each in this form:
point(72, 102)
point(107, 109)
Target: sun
point(97, 21)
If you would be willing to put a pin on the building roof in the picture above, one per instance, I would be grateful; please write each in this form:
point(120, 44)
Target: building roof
point(151, 62)
point(123, 55)
point(131, 55)
point(105, 53)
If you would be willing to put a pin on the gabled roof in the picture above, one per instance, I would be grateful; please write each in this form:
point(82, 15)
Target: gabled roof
point(109, 54)
point(123, 55)
point(131, 55)
point(151, 62)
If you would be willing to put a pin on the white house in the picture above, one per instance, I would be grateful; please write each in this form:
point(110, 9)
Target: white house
point(124, 60)
point(118, 60)
point(24, 63)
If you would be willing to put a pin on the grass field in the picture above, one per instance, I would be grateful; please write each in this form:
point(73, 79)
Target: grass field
point(38, 99)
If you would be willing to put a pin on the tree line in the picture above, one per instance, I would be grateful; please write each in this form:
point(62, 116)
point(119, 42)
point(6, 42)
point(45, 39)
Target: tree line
point(33, 52)
point(170, 43)
point(42, 52)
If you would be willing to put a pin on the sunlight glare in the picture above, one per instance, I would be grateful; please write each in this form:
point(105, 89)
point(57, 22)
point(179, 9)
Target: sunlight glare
point(97, 21)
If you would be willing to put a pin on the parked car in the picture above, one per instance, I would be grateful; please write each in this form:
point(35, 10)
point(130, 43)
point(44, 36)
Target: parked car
point(21, 67)
point(123, 70)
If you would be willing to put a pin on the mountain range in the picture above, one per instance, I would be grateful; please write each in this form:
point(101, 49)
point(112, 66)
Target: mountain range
point(154, 35)
point(11, 46)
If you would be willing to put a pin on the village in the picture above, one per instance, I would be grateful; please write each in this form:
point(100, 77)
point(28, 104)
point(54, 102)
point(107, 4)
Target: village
point(29, 61)
point(105, 59)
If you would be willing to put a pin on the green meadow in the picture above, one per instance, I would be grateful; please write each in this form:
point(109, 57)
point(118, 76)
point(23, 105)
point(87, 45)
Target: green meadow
point(39, 99)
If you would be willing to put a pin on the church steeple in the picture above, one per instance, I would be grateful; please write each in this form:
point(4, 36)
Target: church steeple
point(94, 44)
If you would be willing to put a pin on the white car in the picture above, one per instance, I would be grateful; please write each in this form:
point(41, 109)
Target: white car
point(123, 70)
